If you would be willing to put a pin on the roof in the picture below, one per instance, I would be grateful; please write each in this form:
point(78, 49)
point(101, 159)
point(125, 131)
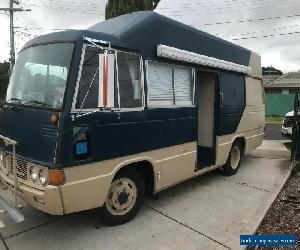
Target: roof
point(289, 80)
point(143, 31)
point(268, 78)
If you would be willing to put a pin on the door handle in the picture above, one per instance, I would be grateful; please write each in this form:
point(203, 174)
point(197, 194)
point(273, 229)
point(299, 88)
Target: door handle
point(221, 98)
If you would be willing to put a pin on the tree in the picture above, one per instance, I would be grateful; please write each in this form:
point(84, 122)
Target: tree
point(116, 8)
point(4, 78)
point(270, 70)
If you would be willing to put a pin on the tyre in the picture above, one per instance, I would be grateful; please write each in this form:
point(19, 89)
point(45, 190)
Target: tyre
point(234, 159)
point(124, 199)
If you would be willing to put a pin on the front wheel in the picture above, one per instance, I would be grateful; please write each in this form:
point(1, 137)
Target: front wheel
point(124, 199)
point(234, 159)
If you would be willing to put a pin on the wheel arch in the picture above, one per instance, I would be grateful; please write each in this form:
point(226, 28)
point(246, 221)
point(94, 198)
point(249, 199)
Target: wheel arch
point(143, 166)
point(242, 141)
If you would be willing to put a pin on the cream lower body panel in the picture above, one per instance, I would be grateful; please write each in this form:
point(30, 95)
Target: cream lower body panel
point(253, 139)
point(174, 170)
point(87, 185)
point(251, 128)
point(47, 200)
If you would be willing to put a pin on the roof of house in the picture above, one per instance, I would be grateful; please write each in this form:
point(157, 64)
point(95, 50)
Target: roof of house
point(289, 80)
point(143, 31)
point(268, 78)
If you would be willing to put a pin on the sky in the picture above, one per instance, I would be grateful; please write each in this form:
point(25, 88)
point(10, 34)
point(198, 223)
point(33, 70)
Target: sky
point(268, 27)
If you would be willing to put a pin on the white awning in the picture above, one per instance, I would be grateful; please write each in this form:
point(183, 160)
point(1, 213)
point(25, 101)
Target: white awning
point(191, 57)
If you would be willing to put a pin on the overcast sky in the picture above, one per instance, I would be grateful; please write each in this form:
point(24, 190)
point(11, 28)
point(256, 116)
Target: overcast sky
point(274, 31)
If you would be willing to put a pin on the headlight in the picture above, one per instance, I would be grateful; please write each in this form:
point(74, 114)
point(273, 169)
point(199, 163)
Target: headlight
point(34, 174)
point(43, 175)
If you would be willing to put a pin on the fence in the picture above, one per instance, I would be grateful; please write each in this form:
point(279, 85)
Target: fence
point(279, 104)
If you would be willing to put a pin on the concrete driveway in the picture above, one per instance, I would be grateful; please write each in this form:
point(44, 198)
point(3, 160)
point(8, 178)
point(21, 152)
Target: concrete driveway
point(208, 212)
point(273, 132)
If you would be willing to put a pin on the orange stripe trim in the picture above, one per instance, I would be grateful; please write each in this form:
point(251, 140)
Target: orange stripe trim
point(105, 80)
point(106, 76)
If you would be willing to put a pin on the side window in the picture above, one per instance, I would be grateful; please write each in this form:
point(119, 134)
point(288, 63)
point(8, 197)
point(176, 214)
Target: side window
point(160, 86)
point(128, 84)
point(169, 85)
point(129, 80)
point(89, 74)
point(233, 88)
point(183, 85)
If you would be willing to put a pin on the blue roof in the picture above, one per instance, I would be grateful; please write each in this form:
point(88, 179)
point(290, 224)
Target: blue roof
point(143, 31)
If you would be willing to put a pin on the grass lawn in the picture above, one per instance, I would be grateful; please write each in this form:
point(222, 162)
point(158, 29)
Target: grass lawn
point(274, 119)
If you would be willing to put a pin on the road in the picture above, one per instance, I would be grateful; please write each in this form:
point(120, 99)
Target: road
point(273, 132)
point(208, 212)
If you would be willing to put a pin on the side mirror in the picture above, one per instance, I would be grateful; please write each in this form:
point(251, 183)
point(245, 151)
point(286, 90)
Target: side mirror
point(106, 98)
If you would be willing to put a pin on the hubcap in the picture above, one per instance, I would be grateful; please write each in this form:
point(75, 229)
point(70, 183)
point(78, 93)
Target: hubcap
point(235, 157)
point(121, 196)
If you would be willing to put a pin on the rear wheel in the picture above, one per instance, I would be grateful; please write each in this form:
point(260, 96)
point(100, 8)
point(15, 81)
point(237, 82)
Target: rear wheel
point(234, 159)
point(125, 198)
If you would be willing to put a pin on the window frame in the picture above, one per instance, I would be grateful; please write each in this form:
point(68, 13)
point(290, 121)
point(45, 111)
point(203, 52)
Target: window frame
point(174, 105)
point(193, 87)
point(147, 80)
point(244, 87)
point(118, 109)
point(142, 78)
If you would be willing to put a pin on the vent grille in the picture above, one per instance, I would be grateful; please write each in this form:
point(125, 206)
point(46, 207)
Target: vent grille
point(22, 166)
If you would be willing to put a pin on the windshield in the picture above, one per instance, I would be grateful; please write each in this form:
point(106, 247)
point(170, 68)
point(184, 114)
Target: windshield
point(40, 75)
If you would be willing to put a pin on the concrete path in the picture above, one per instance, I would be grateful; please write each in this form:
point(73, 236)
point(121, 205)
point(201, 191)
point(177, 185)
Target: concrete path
point(208, 212)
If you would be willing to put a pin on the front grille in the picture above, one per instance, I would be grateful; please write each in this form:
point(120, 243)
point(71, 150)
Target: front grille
point(22, 166)
point(288, 121)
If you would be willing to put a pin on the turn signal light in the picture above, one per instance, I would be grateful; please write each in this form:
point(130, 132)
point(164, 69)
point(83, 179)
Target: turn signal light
point(56, 177)
point(54, 119)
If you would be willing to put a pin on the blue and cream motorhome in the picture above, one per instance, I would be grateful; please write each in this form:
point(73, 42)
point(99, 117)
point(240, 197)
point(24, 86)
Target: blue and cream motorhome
point(98, 118)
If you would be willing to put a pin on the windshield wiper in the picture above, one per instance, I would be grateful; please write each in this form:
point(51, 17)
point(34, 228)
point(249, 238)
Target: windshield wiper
point(19, 104)
point(17, 101)
point(14, 99)
point(38, 103)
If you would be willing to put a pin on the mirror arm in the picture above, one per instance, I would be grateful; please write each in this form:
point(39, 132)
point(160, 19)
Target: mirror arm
point(93, 41)
point(96, 45)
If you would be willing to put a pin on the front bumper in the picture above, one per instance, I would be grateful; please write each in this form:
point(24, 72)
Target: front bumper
point(47, 200)
point(287, 131)
point(14, 176)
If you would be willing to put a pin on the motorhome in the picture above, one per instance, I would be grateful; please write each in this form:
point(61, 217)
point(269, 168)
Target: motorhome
point(99, 118)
